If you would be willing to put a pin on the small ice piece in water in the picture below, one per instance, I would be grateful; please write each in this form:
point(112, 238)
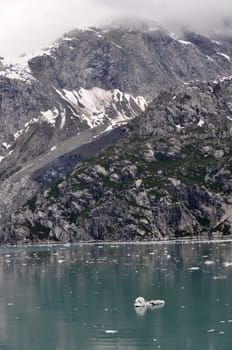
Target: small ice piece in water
point(227, 264)
point(211, 330)
point(155, 303)
point(111, 331)
point(140, 302)
point(209, 262)
point(219, 277)
point(194, 268)
point(10, 304)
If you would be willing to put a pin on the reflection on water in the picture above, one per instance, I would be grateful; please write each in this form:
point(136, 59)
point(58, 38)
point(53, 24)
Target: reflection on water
point(82, 297)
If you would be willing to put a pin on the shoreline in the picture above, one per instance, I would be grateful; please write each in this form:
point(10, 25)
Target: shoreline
point(113, 243)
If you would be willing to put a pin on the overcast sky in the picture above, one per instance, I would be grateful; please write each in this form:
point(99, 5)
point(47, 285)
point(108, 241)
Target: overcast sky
point(28, 25)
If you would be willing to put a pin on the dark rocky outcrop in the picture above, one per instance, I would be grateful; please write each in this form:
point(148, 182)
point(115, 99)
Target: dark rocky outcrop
point(170, 177)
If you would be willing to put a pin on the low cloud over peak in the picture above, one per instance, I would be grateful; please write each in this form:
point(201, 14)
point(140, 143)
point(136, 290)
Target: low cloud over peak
point(27, 25)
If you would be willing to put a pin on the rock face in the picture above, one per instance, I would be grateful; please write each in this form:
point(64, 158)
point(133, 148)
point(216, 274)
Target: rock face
point(170, 177)
point(139, 61)
point(54, 106)
point(77, 118)
point(70, 84)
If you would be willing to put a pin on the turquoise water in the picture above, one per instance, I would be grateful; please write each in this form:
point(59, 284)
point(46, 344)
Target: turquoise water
point(81, 297)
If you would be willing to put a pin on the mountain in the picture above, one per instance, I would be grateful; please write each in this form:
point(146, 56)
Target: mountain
point(170, 176)
point(65, 103)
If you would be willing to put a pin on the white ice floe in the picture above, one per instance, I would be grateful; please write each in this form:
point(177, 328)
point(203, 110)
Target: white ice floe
point(222, 277)
point(141, 302)
point(209, 262)
point(212, 330)
point(111, 331)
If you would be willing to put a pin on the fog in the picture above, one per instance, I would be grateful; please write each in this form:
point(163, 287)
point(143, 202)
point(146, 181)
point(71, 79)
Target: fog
point(28, 25)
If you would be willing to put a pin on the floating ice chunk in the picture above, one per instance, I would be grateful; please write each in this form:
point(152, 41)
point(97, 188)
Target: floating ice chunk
point(209, 262)
point(219, 277)
point(211, 330)
point(111, 331)
point(140, 302)
point(194, 268)
point(60, 261)
point(227, 264)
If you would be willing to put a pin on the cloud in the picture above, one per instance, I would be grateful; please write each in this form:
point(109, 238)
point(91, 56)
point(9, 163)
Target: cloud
point(197, 14)
point(27, 25)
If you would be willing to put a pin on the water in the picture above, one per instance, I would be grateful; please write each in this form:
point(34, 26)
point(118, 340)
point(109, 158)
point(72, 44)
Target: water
point(66, 298)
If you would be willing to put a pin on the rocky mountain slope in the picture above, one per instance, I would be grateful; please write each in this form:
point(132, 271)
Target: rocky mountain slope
point(86, 84)
point(171, 176)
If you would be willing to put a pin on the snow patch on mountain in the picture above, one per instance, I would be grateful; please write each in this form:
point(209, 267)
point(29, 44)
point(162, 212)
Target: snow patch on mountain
point(97, 106)
point(63, 119)
point(6, 145)
point(16, 68)
point(201, 122)
point(184, 42)
point(225, 56)
point(50, 116)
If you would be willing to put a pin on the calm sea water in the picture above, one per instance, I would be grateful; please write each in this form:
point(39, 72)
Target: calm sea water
point(81, 297)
